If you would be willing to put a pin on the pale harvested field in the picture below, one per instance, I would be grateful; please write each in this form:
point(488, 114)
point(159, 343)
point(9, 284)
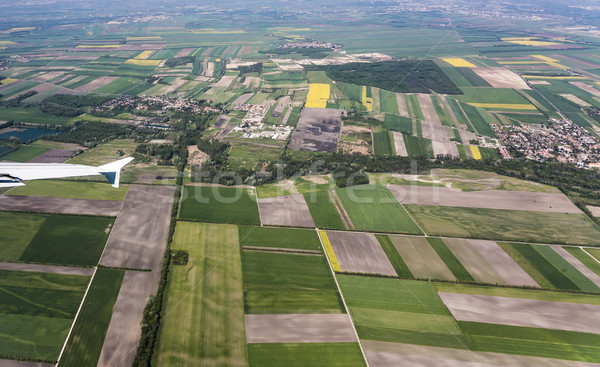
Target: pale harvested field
point(139, 236)
point(123, 334)
point(299, 328)
point(225, 81)
point(185, 52)
point(539, 82)
point(473, 261)
point(577, 264)
point(243, 98)
point(48, 76)
point(175, 84)
point(53, 156)
point(289, 210)
point(403, 110)
point(586, 87)
point(595, 210)
point(503, 264)
point(445, 148)
point(9, 363)
point(208, 68)
point(360, 253)
point(467, 136)
point(489, 199)
point(100, 82)
point(142, 46)
point(42, 88)
point(429, 113)
point(60, 205)
point(399, 144)
point(54, 269)
point(499, 77)
point(318, 130)
point(386, 354)
point(575, 99)
point(434, 131)
point(523, 312)
point(421, 258)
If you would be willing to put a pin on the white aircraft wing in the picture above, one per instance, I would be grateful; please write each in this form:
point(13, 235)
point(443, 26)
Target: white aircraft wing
point(12, 174)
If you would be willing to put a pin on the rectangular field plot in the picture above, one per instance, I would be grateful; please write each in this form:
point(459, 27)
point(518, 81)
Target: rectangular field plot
point(203, 317)
point(283, 238)
point(219, 204)
point(403, 311)
point(36, 312)
point(421, 258)
point(586, 258)
point(72, 189)
point(288, 283)
point(299, 328)
point(473, 261)
point(360, 253)
point(305, 354)
point(17, 231)
point(374, 208)
point(505, 224)
point(69, 240)
point(290, 210)
point(323, 211)
point(85, 343)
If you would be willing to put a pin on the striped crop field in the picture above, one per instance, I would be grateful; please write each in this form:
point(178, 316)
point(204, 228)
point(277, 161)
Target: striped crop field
point(329, 251)
point(458, 62)
point(7, 81)
point(554, 77)
point(506, 106)
point(318, 94)
point(98, 46)
point(144, 55)
point(143, 62)
point(476, 152)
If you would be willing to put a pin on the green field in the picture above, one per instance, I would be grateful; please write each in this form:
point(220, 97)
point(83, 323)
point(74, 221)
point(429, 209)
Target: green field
point(71, 189)
point(106, 153)
point(17, 232)
point(31, 115)
point(305, 354)
point(219, 204)
point(323, 211)
point(25, 153)
point(397, 262)
point(374, 208)
point(249, 156)
point(288, 283)
point(535, 342)
point(36, 312)
point(564, 267)
point(398, 123)
point(402, 311)
point(455, 266)
point(416, 146)
point(384, 144)
point(477, 120)
point(279, 238)
point(203, 314)
point(505, 225)
point(87, 337)
point(69, 240)
point(586, 259)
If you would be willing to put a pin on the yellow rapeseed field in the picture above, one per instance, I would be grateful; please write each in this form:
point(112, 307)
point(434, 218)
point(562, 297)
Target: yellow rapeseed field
point(143, 62)
point(459, 63)
point(7, 81)
point(476, 152)
point(367, 101)
point(143, 55)
point(528, 41)
point(335, 265)
point(98, 46)
point(318, 94)
point(550, 61)
point(7, 43)
point(506, 106)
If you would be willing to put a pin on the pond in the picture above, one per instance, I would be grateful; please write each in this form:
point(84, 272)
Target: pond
point(26, 135)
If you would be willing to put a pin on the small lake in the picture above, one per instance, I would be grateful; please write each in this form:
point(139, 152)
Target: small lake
point(4, 149)
point(26, 135)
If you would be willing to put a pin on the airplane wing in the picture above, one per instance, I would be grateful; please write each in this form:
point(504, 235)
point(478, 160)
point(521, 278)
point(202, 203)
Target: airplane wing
point(12, 174)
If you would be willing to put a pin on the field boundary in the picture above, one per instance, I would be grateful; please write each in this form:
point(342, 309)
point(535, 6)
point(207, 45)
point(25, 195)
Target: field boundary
point(76, 316)
point(362, 350)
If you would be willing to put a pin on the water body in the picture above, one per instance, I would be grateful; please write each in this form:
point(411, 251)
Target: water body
point(4, 149)
point(26, 135)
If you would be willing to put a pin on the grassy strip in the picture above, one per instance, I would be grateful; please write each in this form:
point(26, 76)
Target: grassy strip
point(567, 269)
point(455, 266)
point(399, 265)
point(305, 354)
point(526, 265)
point(545, 267)
point(580, 255)
point(279, 237)
point(323, 210)
point(87, 337)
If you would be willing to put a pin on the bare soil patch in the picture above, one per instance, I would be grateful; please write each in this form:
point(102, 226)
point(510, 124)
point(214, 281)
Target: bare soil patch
point(319, 180)
point(355, 139)
point(225, 81)
point(53, 156)
point(577, 264)
point(429, 113)
point(100, 82)
point(299, 328)
point(289, 210)
point(575, 99)
point(243, 98)
point(502, 263)
point(499, 77)
point(185, 52)
point(139, 236)
point(10, 363)
point(445, 148)
point(586, 87)
point(539, 82)
point(489, 199)
point(402, 109)
point(523, 312)
point(385, 354)
point(60, 205)
point(54, 269)
point(595, 210)
point(318, 130)
point(195, 155)
point(360, 253)
point(399, 144)
point(473, 261)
